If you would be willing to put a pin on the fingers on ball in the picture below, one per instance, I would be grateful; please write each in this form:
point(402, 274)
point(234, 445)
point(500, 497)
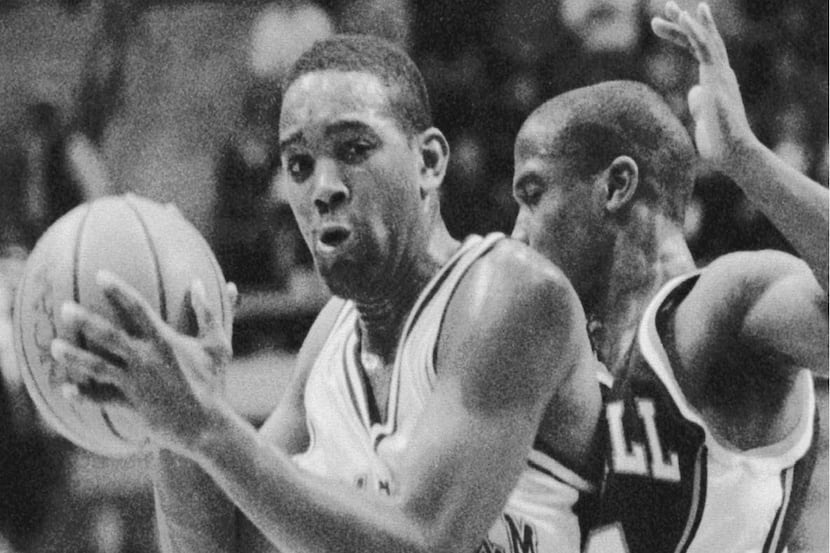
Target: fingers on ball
point(80, 365)
point(134, 312)
point(99, 334)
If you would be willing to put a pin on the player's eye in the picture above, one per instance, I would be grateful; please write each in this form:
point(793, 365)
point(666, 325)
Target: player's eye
point(299, 167)
point(354, 151)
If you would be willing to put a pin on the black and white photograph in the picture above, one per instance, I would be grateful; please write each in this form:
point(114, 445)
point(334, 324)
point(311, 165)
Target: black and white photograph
point(414, 276)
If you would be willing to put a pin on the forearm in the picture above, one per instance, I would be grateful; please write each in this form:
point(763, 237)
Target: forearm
point(294, 510)
point(795, 204)
point(192, 513)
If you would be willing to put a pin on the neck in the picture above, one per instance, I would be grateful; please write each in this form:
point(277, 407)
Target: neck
point(644, 258)
point(383, 315)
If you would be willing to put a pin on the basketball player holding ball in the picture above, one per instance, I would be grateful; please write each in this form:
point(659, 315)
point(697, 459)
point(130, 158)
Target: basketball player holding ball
point(445, 400)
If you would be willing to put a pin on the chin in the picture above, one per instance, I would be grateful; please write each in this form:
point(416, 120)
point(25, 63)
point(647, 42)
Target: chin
point(344, 279)
point(352, 271)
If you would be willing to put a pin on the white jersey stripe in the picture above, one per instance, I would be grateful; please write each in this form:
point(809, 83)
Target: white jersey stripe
point(774, 456)
point(787, 487)
point(357, 390)
point(559, 471)
point(698, 501)
point(441, 287)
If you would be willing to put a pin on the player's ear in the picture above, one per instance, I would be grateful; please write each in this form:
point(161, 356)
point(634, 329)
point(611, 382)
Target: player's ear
point(621, 180)
point(435, 154)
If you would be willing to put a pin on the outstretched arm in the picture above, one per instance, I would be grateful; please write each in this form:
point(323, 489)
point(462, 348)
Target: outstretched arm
point(496, 374)
point(795, 204)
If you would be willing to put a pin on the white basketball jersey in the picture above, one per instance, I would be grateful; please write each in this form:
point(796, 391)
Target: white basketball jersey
point(346, 445)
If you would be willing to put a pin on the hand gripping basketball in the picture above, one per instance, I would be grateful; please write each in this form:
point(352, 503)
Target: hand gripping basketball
point(156, 251)
point(171, 380)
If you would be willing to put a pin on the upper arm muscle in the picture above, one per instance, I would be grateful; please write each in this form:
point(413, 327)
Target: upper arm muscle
point(504, 345)
point(768, 302)
point(790, 317)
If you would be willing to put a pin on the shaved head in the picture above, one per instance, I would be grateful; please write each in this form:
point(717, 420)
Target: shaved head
point(589, 127)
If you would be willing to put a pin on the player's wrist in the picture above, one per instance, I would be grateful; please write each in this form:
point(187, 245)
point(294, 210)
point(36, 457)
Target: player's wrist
point(741, 154)
point(210, 432)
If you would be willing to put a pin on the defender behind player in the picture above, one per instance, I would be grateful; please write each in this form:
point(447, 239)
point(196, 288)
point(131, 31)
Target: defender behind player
point(710, 418)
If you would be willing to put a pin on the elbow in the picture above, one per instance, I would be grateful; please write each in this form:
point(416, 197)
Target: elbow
point(443, 544)
point(440, 538)
point(433, 533)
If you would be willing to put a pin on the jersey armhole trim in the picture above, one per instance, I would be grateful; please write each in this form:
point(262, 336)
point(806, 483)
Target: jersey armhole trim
point(548, 465)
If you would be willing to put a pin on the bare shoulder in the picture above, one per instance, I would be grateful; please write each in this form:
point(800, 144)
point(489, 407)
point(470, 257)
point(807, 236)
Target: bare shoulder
point(514, 287)
point(513, 321)
point(764, 306)
point(753, 268)
point(743, 333)
point(734, 282)
point(514, 271)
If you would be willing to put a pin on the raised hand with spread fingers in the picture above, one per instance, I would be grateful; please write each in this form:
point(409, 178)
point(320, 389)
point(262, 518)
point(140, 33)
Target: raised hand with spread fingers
point(715, 103)
point(793, 202)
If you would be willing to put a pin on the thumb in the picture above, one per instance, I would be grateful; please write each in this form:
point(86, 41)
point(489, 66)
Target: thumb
point(232, 299)
point(233, 294)
point(696, 101)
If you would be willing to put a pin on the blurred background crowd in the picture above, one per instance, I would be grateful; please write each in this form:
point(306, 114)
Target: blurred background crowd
point(178, 100)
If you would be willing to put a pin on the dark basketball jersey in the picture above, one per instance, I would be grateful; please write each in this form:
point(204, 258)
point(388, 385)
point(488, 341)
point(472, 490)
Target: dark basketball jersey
point(671, 484)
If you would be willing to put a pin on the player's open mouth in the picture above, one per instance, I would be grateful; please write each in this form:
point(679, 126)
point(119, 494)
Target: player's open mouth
point(332, 236)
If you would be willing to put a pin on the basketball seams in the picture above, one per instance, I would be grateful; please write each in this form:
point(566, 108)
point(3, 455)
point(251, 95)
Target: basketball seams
point(76, 292)
point(35, 390)
point(162, 298)
point(198, 240)
point(111, 426)
point(219, 278)
point(129, 234)
point(129, 200)
point(31, 383)
point(76, 258)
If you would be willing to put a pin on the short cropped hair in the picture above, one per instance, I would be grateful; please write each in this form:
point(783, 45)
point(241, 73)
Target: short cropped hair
point(407, 91)
point(598, 123)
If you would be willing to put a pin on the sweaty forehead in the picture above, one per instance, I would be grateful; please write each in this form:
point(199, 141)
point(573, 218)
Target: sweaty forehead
point(329, 95)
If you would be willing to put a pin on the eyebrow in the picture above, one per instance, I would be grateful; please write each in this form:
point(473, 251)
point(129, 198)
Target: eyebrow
point(292, 139)
point(346, 125)
point(337, 127)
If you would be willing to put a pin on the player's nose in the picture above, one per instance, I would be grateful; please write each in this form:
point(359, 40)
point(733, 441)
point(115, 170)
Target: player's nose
point(520, 229)
point(329, 189)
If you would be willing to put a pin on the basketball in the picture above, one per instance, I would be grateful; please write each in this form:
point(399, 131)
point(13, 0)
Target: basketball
point(150, 246)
